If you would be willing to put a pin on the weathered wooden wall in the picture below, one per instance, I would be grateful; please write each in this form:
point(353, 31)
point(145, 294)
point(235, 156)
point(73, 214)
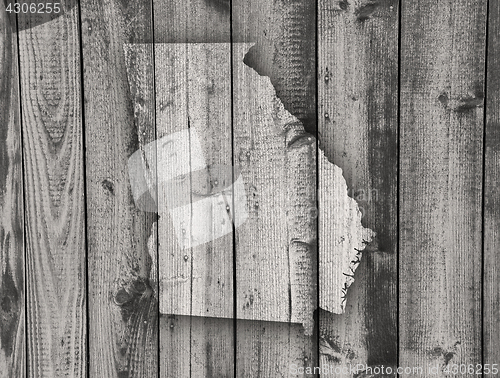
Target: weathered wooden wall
point(401, 95)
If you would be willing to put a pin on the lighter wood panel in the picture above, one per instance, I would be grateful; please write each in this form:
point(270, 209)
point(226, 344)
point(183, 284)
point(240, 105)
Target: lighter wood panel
point(262, 269)
point(119, 115)
point(442, 78)
point(491, 309)
point(276, 254)
point(54, 192)
point(276, 247)
point(194, 177)
point(209, 101)
point(175, 334)
point(197, 346)
point(12, 273)
point(357, 114)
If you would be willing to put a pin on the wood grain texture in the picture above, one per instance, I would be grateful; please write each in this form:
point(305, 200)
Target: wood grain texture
point(195, 21)
point(194, 99)
point(123, 312)
point(194, 90)
point(357, 130)
point(175, 334)
point(276, 247)
point(343, 237)
point(242, 304)
point(54, 192)
point(442, 79)
point(285, 50)
point(12, 290)
point(144, 341)
point(491, 294)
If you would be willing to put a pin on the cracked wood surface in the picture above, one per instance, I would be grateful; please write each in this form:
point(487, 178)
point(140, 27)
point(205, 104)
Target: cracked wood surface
point(276, 246)
point(191, 345)
point(442, 76)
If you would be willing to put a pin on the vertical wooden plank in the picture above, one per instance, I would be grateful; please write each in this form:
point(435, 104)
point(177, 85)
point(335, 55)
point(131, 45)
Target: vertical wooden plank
point(442, 79)
point(357, 114)
point(12, 291)
point(123, 310)
point(269, 349)
point(491, 304)
point(208, 21)
point(284, 33)
point(276, 246)
point(194, 91)
point(196, 278)
point(276, 251)
point(209, 101)
point(175, 334)
point(143, 343)
point(278, 162)
point(54, 192)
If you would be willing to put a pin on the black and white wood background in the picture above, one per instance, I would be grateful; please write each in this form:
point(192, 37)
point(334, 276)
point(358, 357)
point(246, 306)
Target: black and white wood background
point(402, 95)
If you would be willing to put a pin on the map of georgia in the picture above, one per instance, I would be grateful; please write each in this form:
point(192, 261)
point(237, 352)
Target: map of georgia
point(292, 194)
